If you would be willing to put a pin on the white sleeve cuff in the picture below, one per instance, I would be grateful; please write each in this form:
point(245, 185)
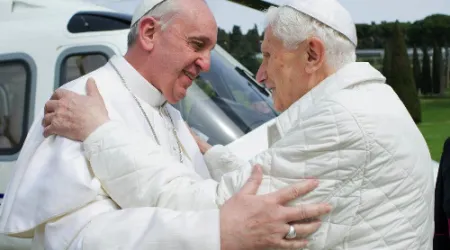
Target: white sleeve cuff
point(94, 142)
point(220, 160)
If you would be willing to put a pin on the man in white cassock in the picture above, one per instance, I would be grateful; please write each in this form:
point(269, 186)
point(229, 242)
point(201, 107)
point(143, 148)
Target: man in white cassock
point(55, 198)
point(340, 123)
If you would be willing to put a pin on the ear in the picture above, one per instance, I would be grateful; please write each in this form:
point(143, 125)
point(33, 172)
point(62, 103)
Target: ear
point(315, 53)
point(148, 28)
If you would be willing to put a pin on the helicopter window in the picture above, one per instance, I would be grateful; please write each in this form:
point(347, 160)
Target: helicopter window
point(222, 105)
point(14, 97)
point(97, 21)
point(76, 65)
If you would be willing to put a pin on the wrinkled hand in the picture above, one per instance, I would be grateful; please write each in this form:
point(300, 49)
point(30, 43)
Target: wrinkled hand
point(75, 116)
point(249, 221)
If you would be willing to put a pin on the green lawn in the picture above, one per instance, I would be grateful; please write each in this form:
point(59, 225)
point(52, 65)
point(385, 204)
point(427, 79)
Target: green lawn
point(435, 124)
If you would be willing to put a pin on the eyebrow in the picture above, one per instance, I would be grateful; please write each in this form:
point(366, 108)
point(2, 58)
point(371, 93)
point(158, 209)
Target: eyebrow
point(261, 47)
point(202, 38)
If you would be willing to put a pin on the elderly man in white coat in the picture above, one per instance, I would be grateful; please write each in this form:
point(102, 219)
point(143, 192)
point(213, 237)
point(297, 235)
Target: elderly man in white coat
point(55, 198)
point(341, 123)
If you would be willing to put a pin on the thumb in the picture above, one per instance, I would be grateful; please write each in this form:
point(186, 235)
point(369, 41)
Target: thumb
point(253, 182)
point(91, 88)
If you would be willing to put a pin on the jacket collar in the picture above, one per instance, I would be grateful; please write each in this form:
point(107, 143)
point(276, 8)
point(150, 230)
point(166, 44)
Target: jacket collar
point(348, 76)
point(138, 85)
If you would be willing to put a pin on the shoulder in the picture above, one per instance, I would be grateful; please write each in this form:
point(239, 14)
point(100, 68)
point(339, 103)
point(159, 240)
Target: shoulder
point(102, 77)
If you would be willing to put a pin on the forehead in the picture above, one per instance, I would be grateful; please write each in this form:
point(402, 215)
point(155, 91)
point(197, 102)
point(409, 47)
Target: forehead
point(196, 19)
point(270, 40)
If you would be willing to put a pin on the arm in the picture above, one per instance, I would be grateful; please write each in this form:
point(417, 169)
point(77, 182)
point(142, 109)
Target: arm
point(151, 228)
point(220, 160)
point(137, 172)
point(103, 226)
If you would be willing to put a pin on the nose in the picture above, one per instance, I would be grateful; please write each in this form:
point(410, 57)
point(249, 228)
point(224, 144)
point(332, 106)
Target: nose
point(204, 61)
point(261, 75)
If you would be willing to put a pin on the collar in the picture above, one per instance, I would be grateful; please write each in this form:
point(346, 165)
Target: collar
point(348, 76)
point(138, 85)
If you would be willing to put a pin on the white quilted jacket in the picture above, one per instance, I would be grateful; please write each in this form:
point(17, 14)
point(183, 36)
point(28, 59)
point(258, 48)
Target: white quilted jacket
point(351, 132)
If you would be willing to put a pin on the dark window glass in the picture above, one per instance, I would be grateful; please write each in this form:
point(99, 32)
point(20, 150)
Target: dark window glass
point(14, 105)
point(77, 65)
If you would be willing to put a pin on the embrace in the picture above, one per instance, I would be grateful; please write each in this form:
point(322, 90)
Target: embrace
point(115, 166)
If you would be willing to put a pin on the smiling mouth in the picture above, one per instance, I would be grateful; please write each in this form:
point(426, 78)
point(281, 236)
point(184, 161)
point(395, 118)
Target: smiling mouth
point(188, 74)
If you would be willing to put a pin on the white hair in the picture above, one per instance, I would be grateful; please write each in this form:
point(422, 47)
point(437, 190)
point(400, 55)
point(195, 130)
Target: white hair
point(160, 11)
point(293, 27)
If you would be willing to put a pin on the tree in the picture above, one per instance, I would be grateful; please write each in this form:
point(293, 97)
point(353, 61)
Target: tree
point(415, 34)
point(447, 67)
point(426, 72)
point(387, 59)
point(241, 49)
point(252, 37)
point(236, 39)
point(401, 75)
point(223, 39)
point(365, 36)
point(416, 69)
point(437, 68)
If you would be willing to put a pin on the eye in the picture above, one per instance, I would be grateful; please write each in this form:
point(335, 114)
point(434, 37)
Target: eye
point(197, 45)
point(266, 55)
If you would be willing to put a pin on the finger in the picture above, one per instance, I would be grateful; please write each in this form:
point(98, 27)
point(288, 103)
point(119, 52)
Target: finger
point(253, 182)
point(305, 229)
point(48, 118)
point(91, 88)
point(60, 93)
point(294, 191)
point(50, 106)
point(306, 211)
point(291, 244)
point(49, 130)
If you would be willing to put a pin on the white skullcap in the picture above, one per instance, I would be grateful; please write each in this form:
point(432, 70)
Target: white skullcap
point(330, 13)
point(143, 7)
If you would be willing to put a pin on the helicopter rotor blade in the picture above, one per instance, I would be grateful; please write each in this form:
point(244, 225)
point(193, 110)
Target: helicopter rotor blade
point(255, 4)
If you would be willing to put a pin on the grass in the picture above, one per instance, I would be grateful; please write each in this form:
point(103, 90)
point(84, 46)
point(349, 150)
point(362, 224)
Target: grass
point(435, 125)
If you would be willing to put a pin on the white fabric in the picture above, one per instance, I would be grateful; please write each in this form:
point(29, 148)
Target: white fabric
point(329, 12)
point(54, 197)
point(351, 132)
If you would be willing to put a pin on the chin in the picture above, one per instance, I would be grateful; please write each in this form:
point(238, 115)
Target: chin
point(172, 101)
point(278, 107)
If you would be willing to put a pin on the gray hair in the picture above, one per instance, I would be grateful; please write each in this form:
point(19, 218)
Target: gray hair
point(293, 27)
point(160, 11)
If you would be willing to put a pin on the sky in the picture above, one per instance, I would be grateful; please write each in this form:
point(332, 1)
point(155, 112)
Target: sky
point(362, 11)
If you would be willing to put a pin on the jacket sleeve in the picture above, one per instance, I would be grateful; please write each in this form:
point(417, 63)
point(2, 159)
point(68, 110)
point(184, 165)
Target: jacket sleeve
point(136, 172)
point(134, 229)
point(220, 160)
point(153, 228)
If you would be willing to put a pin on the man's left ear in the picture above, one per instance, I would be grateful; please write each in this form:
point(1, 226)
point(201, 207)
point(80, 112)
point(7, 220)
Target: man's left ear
point(148, 27)
point(316, 54)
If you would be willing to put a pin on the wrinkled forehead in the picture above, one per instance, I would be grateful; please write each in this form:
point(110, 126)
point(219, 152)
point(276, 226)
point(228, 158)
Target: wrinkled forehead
point(270, 40)
point(198, 21)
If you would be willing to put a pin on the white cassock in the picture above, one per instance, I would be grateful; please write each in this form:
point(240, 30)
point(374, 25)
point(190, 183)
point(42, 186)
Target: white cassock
point(54, 197)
